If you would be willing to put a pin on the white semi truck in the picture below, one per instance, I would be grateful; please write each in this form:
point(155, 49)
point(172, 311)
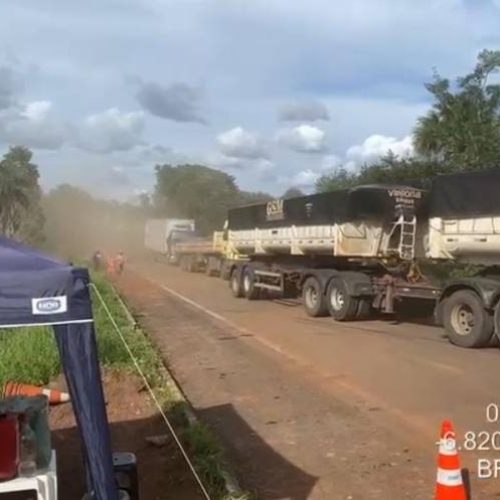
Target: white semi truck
point(162, 235)
point(349, 252)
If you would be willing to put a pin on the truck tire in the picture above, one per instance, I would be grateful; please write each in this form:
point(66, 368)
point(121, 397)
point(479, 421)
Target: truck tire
point(466, 321)
point(235, 284)
point(341, 305)
point(248, 281)
point(313, 299)
point(496, 321)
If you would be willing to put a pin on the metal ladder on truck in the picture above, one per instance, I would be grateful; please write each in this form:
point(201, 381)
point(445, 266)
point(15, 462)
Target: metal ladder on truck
point(407, 222)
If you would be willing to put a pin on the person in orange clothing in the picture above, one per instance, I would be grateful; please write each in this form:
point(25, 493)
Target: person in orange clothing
point(110, 266)
point(119, 263)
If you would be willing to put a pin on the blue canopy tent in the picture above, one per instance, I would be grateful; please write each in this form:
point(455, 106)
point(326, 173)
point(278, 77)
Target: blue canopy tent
point(38, 290)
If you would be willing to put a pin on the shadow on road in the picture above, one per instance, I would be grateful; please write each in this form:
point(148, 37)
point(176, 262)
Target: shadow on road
point(164, 474)
point(260, 468)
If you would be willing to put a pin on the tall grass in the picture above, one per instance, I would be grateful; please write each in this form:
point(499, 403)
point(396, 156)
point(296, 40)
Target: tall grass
point(30, 355)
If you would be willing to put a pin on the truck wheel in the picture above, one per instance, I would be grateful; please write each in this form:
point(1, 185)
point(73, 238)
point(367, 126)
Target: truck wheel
point(496, 320)
point(313, 298)
point(466, 321)
point(341, 305)
point(235, 284)
point(249, 289)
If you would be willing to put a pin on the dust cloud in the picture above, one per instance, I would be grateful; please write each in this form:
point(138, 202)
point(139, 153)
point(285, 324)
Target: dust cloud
point(76, 225)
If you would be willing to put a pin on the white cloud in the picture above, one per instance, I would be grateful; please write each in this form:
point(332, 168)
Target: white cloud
point(263, 164)
point(378, 145)
point(117, 176)
point(33, 125)
point(304, 179)
point(303, 139)
point(37, 110)
point(330, 161)
point(240, 143)
point(242, 165)
point(140, 192)
point(304, 111)
point(111, 130)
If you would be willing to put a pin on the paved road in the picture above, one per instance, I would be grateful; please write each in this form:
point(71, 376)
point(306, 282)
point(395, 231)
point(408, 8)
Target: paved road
point(406, 378)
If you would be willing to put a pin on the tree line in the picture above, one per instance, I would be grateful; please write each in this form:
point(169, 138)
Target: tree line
point(460, 132)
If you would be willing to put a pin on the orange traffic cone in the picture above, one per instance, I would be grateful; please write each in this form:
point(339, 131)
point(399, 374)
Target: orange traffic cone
point(17, 389)
point(449, 485)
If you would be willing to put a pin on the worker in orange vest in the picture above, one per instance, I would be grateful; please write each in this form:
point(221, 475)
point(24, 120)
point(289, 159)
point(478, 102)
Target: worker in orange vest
point(110, 266)
point(119, 263)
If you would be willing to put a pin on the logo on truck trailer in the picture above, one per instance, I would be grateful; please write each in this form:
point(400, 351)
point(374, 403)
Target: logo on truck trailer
point(274, 210)
point(405, 196)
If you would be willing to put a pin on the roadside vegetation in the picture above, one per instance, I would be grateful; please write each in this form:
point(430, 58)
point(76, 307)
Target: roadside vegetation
point(30, 355)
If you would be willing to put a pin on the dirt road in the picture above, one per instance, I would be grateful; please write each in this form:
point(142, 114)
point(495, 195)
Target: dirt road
point(315, 409)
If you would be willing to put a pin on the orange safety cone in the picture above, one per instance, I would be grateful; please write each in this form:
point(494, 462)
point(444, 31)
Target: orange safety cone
point(17, 389)
point(450, 484)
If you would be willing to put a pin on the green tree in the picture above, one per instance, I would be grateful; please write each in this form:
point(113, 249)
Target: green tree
point(250, 197)
point(462, 130)
point(292, 192)
point(388, 169)
point(339, 178)
point(20, 194)
point(195, 192)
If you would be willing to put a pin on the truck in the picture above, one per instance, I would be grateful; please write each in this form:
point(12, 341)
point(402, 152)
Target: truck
point(163, 235)
point(212, 255)
point(350, 252)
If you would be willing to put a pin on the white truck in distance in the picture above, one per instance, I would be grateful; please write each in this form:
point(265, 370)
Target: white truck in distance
point(161, 235)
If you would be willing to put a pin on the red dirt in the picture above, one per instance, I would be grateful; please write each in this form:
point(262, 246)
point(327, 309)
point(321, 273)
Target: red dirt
point(162, 471)
point(374, 391)
point(286, 435)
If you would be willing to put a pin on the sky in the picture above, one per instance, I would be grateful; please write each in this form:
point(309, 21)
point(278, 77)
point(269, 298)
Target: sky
point(273, 92)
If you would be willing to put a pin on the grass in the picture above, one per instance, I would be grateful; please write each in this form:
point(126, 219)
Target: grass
point(30, 355)
point(34, 344)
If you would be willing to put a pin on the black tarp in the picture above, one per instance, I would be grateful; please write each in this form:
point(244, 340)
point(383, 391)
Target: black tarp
point(466, 194)
point(321, 208)
point(376, 201)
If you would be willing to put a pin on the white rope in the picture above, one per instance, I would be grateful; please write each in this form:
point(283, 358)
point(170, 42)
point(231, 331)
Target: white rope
point(152, 394)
